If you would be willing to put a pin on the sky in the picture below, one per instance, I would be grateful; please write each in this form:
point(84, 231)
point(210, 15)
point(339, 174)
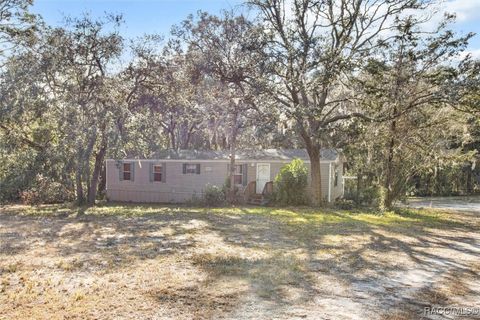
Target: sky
point(157, 16)
point(141, 16)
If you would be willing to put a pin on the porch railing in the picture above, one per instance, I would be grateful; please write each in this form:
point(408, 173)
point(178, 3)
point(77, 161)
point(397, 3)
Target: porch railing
point(249, 190)
point(268, 188)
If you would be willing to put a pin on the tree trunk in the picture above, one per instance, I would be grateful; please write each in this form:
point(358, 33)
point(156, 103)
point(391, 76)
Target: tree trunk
point(359, 188)
point(86, 159)
point(99, 158)
point(214, 142)
point(172, 139)
point(469, 183)
point(188, 138)
point(223, 142)
point(78, 185)
point(102, 185)
point(316, 175)
point(388, 183)
point(79, 174)
point(436, 190)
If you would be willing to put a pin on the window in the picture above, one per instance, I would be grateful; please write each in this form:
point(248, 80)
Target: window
point(336, 178)
point(238, 178)
point(191, 168)
point(157, 172)
point(127, 171)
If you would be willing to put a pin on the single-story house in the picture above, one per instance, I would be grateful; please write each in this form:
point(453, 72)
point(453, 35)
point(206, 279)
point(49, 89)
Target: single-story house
point(179, 176)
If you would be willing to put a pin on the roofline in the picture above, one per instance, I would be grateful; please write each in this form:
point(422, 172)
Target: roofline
point(220, 160)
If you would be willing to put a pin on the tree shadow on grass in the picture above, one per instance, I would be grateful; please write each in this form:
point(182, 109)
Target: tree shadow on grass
point(358, 251)
point(98, 242)
point(415, 240)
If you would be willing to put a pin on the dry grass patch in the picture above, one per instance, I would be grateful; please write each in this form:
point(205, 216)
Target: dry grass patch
point(268, 276)
point(125, 261)
point(400, 315)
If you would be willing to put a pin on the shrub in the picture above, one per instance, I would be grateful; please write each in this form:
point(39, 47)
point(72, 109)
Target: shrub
point(345, 204)
point(226, 187)
point(290, 185)
point(45, 190)
point(213, 196)
point(371, 196)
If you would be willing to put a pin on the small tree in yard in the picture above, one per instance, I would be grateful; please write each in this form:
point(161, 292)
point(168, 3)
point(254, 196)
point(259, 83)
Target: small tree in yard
point(291, 184)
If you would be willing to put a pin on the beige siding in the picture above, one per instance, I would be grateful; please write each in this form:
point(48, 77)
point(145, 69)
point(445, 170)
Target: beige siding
point(337, 191)
point(180, 187)
point(328, 175)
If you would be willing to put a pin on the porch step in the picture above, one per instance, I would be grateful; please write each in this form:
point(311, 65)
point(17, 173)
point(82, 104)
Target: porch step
point(257, 199)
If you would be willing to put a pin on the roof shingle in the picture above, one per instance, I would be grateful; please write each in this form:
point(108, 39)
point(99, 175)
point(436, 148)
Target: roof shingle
point(264, 154)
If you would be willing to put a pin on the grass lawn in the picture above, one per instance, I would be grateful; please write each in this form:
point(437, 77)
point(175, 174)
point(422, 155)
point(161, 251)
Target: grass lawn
point(120, 261)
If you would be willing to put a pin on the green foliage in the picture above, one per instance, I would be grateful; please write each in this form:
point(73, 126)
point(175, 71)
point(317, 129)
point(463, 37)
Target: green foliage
point(371, 196)
point(14, 173)
point(363, 193)
point(213, 196)
point(65, 106)
point(290, 185)
point(17, 24)
point(451, 180)
point(226, 187)
point(345, 204)
point(45, 190)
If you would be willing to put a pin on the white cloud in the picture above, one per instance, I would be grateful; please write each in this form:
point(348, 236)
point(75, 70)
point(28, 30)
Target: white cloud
point(466, 10)
point(475, 53)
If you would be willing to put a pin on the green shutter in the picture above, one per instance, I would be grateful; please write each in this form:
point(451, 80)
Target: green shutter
point(132, 169)
point(184, 168)
point(198, 168)
point(120, 170)
point(151, 171)
point(244, 179)
point(228, 174)
point(164, 172)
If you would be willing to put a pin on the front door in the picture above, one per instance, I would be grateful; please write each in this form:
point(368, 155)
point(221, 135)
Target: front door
point(263, 176)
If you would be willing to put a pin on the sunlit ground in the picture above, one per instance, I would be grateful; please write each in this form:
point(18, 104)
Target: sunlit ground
point(125, 261)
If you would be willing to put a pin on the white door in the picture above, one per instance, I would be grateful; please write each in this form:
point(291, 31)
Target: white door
point(263, 175)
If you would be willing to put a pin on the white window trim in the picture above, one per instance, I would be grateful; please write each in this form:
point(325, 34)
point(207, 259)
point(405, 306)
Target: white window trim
point(330, 182)
point(241, 174)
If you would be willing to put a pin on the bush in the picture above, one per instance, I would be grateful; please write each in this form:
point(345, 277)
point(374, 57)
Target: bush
point(213, 196)
point(371, 196)
point(290, 185)
point(226, 187)
point(345, 204)
point(45, 190)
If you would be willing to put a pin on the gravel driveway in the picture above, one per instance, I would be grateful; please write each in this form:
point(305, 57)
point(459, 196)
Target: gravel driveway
point(471, 204)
